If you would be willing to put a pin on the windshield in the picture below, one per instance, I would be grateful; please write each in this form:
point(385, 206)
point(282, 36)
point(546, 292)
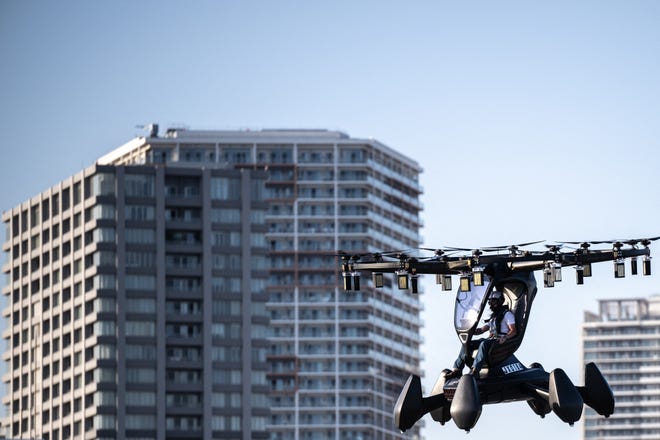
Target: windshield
point(468, 304)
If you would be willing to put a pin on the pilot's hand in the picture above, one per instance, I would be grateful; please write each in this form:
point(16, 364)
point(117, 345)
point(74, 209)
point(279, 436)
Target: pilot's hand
point(501, 340)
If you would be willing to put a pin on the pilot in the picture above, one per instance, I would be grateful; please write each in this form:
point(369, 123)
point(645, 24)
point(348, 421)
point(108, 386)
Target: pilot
point(501, 326)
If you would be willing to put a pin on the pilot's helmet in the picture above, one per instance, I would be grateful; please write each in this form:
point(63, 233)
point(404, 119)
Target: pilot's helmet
point(496, 295)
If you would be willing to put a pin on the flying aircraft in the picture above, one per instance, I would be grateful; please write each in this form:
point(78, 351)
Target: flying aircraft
point(510, 270)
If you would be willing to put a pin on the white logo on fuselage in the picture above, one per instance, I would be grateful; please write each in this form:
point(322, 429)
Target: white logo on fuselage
point(512, 368)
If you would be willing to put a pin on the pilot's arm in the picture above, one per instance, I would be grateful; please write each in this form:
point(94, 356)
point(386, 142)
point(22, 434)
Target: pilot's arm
point(481, 330)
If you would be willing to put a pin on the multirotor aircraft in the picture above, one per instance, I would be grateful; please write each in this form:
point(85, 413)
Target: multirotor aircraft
point(510, 270)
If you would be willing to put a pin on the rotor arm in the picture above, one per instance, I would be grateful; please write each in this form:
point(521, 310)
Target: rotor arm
point(419, 267)
point(527, 262)
point(567, 259)
point(573, 259)
point(481, 261)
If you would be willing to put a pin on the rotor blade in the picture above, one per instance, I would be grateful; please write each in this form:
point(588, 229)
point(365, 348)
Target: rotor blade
point(648, 241)
point(438, 257)
point(643, 241)
point(451, 248)
point(510, 246)
point(402, 252)
point(612, 241)
point(553, 247)
point(530, 243)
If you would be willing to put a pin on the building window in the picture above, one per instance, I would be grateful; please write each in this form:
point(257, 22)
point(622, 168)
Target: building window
point(183, 214)
point(104, 375)
point(140, 236)
point(103, 184)
point(140, 328)
point(144, 352)
point(183, 261)
point(104, 235)
point(230, 400)
point(104, 328)
point(140, 282)
point(140, 259)
point(226, 238)
point(140, 375)
point(226, 308)
point(104, 421)
point(183, 283)
point(34, 216)
point(103, 212)
point(185, 400)
point(183, 237)
point(182, 307)
point(226, 423)
point(184, 423)
point(225, 188)
point(139, 185)
point(184, 353)
point(227, 354)
point(181, 186)
point(226, 215)
point(183, 330)
point(105, 281)
point(66, 199)
point(140, 212)
point(55, 206)
point(226, 330)
point(77, 194)
point(24, 221)
point(227, 261)
point(141, 305)
point(45, 210)
point(236, 155)
point(139, 421)
point(226, 285)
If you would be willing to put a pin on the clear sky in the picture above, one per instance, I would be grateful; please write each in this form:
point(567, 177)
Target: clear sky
point(532, 120)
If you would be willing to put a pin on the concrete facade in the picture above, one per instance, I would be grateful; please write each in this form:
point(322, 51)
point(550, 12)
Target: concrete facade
point(623, 338)
point(331, 362)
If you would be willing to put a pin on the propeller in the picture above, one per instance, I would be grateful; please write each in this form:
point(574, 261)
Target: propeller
point(617, 244)
point(376, 256)
point(585, 245)
point(511, 247)
point(514, 249)
point(647, 241)
point(439, 254)
point(643, 241)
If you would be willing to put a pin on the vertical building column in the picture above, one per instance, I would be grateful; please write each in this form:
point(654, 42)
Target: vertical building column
point(121, 301)
point(35, 362)
point(335, 171)
point(207, 304)
point(161, 313)
point(296, 292)
point(246, 301)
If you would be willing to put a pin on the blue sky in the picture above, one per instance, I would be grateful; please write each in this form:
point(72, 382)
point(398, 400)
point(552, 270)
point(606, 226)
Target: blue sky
point(532, 120)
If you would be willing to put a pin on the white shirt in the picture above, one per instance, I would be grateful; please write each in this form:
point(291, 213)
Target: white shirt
point(508, 320)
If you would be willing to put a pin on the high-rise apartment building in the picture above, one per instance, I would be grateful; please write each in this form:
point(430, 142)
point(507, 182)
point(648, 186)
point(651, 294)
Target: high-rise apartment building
point(623, 338)
point(336, 359)
point(137, 306)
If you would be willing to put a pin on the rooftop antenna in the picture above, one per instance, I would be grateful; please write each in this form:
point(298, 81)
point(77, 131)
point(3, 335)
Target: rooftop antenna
point(152, 128)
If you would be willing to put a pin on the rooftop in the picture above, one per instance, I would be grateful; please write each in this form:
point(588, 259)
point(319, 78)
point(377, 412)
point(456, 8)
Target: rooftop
point(625, 309)
point(275, 136)
point(184, 133)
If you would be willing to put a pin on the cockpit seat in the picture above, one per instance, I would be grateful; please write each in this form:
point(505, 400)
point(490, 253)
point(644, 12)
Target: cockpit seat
point(515, 297)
